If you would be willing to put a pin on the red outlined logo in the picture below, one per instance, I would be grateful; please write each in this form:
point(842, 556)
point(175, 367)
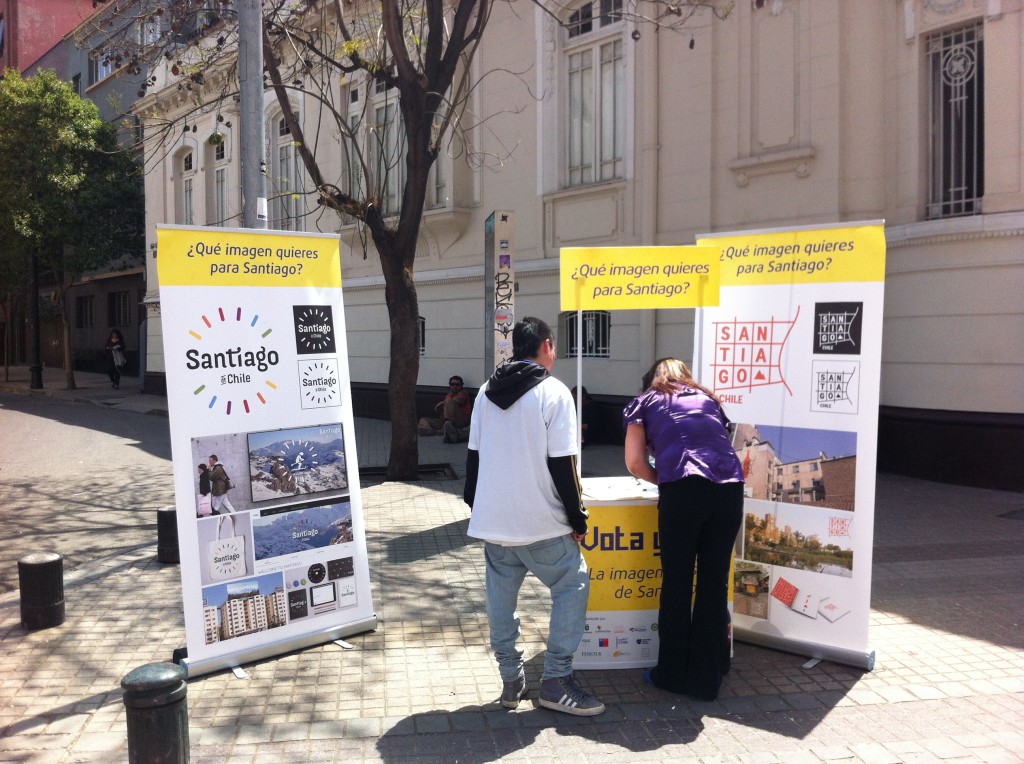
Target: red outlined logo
point(748, 354)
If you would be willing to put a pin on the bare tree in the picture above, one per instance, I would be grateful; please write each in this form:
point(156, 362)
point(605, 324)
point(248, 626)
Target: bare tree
point(418, 50)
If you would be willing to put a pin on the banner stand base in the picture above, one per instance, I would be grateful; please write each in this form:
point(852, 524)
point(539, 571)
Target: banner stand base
point(842, 655)
point(196, 667)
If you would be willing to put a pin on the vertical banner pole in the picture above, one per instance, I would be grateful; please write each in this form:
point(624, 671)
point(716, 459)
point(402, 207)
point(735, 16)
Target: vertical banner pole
point(579, 390)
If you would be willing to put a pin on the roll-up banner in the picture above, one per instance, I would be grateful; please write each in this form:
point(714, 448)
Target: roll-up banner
point(270, 521)
point(794, 350)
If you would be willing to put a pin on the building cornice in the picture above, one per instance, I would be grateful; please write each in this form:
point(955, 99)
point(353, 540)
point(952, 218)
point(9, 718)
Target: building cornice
point(972, 228)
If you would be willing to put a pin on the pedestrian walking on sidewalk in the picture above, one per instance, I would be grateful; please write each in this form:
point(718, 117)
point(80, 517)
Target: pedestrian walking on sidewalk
point(113, 351)
point(522, 488)
point(700, 508)
point(204, 499)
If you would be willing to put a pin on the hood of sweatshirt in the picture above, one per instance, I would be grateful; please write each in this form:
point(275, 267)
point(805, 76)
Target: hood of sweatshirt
point(512, 380)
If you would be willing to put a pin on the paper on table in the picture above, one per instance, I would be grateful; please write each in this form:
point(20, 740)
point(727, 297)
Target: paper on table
point(618, 489)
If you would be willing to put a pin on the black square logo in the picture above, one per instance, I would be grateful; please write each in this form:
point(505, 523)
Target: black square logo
point(314, 329)
point(837, 327)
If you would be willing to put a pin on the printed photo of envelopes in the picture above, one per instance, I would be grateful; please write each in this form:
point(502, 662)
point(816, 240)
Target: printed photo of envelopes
point(784, 592)
point(832, 608)
point(806, 604)
point(802, 601)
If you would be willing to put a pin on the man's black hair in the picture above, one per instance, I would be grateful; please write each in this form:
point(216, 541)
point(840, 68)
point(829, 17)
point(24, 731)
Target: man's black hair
point(527, 337)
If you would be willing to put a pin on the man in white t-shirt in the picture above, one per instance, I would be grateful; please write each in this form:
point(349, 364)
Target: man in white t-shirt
point(522, 486)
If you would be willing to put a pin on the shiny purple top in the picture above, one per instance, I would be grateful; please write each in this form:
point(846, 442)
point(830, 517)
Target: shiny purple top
point(687, 435)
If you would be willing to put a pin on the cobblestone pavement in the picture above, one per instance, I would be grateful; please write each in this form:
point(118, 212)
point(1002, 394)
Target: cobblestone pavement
point(948, 683)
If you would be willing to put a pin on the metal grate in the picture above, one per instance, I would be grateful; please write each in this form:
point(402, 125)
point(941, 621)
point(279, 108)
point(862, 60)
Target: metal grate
point(955, 64)
point(427, 472)
point(597, 329)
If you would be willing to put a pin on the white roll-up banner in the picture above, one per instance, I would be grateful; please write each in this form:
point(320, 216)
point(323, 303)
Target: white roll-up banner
point(270, 521)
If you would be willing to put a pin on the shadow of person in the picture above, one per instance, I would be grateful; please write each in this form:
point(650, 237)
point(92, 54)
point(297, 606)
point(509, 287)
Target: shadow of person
point(487, 732)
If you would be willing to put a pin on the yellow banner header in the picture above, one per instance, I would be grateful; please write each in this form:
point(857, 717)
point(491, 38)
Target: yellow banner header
point(219, 257)
point(632, 278)
point(810, 256)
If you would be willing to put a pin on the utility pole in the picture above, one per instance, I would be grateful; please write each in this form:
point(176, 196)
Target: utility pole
point(250, 90)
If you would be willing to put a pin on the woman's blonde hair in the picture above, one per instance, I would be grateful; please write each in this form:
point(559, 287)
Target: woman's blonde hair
point(668, 374)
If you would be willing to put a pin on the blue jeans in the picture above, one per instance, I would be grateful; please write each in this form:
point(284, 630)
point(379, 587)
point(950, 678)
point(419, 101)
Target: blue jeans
point(560, 566)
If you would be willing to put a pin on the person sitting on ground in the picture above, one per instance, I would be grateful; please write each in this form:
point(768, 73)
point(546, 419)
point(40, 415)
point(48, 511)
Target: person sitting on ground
point(456, 411)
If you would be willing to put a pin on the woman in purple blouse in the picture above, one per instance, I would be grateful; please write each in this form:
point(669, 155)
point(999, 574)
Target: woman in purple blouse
point(700, 509)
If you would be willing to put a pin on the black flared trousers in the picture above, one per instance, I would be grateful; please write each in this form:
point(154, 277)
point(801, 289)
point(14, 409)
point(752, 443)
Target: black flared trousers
point(697, 524)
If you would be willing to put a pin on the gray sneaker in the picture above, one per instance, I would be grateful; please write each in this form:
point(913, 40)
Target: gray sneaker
point(512, 692)
point(563, 693)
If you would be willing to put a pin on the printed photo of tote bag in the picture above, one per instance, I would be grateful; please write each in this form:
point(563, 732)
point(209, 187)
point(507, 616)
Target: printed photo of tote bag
point(225, 557)
point(205, 504)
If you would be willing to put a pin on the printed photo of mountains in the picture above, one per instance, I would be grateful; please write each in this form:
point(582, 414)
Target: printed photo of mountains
point(302, 529)
point(299, 462)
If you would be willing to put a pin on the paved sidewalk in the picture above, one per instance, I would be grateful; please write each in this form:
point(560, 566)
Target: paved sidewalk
point(947, 596)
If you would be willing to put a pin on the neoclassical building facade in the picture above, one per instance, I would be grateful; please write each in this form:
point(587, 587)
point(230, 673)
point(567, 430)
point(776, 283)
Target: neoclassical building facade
point(595, 130)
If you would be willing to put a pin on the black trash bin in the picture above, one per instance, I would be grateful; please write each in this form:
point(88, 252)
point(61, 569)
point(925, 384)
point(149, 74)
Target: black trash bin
point(167, 535)
point(41, 580)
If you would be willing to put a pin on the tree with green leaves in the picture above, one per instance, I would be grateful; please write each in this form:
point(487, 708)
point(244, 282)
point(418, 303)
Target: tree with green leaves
point(71, 196)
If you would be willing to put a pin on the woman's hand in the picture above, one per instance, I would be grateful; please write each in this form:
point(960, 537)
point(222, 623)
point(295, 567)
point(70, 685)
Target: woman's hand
point(636, 454)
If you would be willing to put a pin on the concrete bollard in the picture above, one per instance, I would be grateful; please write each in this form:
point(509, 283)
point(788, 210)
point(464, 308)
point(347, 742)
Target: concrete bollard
point(41, 580)
point(167, 535)
point(157, 712)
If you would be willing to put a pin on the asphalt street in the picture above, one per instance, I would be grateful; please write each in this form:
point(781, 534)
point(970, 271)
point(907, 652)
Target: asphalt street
point(96, 475)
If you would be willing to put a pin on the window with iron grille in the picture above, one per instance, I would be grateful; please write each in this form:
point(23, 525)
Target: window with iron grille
point(597, 326)
point(423, 335)
point(957, 122)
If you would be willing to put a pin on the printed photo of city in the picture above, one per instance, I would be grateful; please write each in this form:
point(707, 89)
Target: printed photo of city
point(244, 607)
point(796, 465)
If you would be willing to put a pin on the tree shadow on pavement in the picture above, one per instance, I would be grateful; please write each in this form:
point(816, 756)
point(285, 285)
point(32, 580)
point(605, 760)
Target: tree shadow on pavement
point(420, 545)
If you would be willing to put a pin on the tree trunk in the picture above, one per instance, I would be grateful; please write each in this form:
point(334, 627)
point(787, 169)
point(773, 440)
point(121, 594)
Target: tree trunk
point(403, 312)
point(7, 337)
point(69, 366)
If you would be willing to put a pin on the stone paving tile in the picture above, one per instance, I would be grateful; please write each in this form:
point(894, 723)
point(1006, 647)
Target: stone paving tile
point(947, 684)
